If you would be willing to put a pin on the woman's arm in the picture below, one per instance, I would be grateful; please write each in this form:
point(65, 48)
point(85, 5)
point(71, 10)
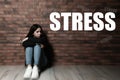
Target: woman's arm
point(31, 41)
point(40, 41)
point(27, 43)
point(25, 39)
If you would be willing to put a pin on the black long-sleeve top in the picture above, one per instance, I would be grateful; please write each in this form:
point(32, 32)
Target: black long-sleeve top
point(32, 41)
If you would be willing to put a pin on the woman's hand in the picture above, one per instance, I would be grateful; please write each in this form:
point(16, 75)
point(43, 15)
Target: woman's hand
point(25, 39)
point(42, 46)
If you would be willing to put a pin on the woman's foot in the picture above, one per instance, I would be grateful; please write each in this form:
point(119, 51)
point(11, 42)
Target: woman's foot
point(35, 73)
point(28, 72)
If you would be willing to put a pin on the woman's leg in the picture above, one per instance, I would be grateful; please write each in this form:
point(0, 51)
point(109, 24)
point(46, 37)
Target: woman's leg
point(37, 54)
point(28, 52)
point(28, 71)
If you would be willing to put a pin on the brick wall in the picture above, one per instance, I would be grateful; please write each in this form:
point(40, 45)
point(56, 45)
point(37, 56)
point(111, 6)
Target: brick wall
point(78, 47)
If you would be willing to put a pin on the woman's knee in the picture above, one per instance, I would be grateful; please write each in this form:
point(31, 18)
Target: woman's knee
point(37, 46)
point(28, 50)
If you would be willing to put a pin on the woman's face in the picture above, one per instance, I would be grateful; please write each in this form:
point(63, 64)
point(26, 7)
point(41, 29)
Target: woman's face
point(37, 33)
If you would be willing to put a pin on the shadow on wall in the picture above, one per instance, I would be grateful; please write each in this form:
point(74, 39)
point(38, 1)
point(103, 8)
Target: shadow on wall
point(49, 53)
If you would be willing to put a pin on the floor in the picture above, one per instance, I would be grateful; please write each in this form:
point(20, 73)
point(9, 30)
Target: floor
point(72, 72)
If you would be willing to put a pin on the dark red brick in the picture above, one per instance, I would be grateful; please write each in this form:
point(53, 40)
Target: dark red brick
point(78, 47)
